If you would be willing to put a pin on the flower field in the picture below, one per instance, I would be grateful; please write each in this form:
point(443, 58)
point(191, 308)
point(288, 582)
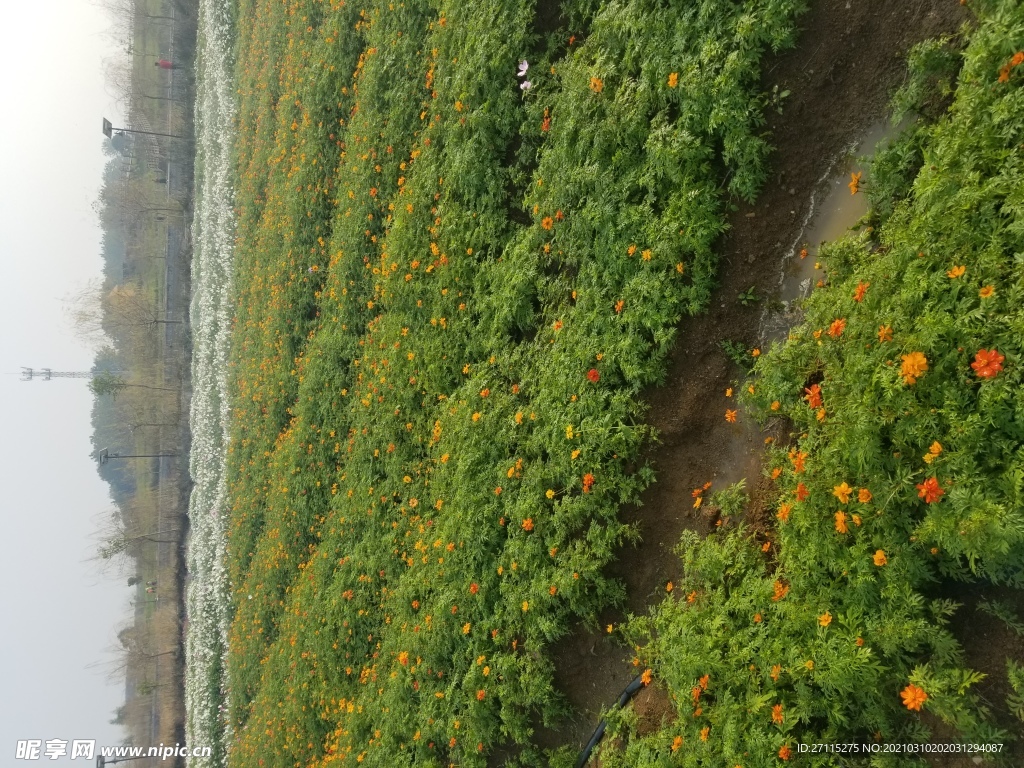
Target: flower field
point(207, 599)
point(902, 389)
point(463, 244)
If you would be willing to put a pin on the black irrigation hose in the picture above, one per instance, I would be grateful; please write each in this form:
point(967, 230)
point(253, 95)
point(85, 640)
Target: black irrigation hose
point(624, 698)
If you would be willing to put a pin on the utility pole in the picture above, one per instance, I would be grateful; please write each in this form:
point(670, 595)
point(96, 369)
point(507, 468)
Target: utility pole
point(45, 374)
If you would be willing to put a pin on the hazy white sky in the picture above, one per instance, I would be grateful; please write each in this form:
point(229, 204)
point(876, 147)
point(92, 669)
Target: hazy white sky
point(60, 614)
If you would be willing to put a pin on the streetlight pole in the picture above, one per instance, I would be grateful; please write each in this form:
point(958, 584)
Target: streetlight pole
point(104, 455)
point(102, 761)
point(108, 131)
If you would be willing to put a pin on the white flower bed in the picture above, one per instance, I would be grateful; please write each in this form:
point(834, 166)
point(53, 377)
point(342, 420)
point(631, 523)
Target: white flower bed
point(207, 599)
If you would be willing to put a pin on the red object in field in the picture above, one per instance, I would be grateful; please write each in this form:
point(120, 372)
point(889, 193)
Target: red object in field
point(165, 64)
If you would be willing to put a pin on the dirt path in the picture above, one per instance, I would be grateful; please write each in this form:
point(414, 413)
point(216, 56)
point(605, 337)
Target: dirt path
point(850, 56)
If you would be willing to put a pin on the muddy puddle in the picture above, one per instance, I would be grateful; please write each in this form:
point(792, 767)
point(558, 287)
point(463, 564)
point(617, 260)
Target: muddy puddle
point(832, 213)
point(834, 210)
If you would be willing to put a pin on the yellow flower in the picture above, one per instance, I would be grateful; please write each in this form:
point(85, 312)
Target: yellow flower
point(673, 79)
point(987, 292)
point(914, 366)
point(842, 492)
point(549, 493)
point(956, 271)
point(825, 619)
point(526, 606)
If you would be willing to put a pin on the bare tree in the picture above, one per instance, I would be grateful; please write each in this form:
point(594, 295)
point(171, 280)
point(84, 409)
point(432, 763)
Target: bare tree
point(121, 537)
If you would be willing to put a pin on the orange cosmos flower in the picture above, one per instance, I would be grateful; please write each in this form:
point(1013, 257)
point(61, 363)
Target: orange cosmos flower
point(842, 492)
point(1004, 76)
point(785, 753)
point(862, 289)
point(835, 330)
point(588, 482)
point(812, 395)
point(646, 677)
point(798, 458)
point(619, 305)
point(777, 716)
point(864, 496)
point(841, 526)
point(783, 513)
point(801, 492)
point(673, 79)
point(1018, 58)
point(879, 558)
point(885, 333)
point(956, 271)
point(776, 671)
point(779, 591)
point(929, 490)
point(730, 416)
point(854, 184)
point(547, 222)
point(474, 588)
point(677, 742)
point(914, 366)
point(528, 524)
point(776, 405)
point(593, 375)
point(704, 733)
point(596, 84)
point(987, 363)
point(825, 619)
point(913, 697)
point(987, 292)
